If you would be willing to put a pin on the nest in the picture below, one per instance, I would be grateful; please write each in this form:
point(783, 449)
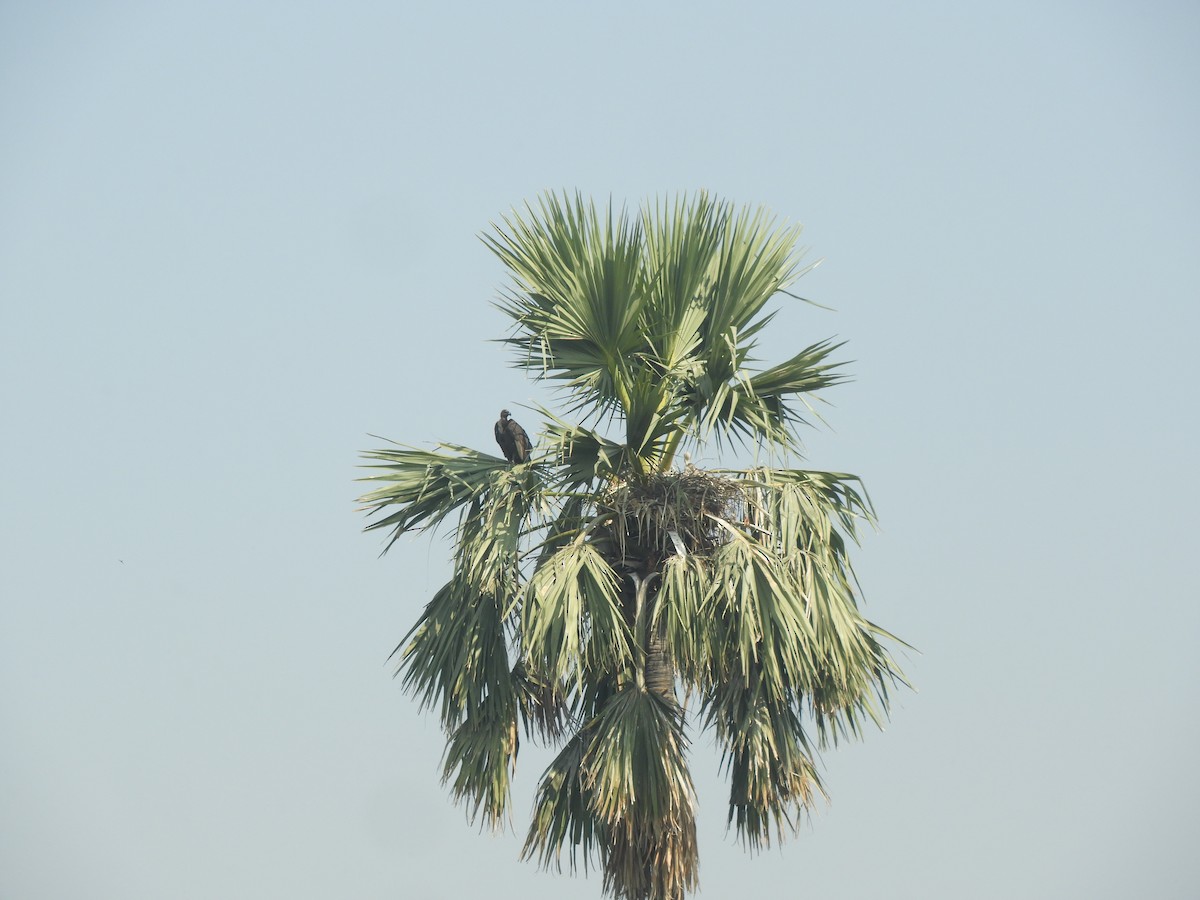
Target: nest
point(672, 512)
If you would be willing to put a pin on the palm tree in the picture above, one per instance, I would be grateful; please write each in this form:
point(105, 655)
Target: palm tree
point(597, 581)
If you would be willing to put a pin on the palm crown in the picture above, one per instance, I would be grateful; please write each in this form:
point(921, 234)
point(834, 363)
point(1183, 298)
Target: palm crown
point(592, 582)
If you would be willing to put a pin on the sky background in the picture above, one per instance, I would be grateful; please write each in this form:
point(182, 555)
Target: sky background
point(237, 239)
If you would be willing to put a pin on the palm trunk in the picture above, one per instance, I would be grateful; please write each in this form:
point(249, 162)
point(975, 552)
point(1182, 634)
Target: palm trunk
point(666, 850)
point(659, 672)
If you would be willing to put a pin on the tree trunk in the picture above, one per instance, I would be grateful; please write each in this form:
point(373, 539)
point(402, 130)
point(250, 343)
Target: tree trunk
point(660, 674)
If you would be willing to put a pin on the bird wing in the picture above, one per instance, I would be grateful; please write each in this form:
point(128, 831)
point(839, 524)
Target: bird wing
point(507, 445)
point(520, 441)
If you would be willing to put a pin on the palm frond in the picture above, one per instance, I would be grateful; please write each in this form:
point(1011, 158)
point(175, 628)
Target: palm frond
point(425, 485)
point(636, 773)
point(584, 456)
point(578, 295)
point(758, 258)
point(684, 599)
point(757, 407)
point(804, 373)
point(682, 240)
point(760, 617)
point(481, 754)
point(772, 774)
point(798, 514)
point(563, 814)
point(542, 704)
point(454, 652)
point(572, 620)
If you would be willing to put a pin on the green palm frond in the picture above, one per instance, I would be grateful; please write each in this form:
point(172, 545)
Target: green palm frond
point(542, 704)
point(760, 615)
point(685, 598)
point(456, 659)
point(804, 373)
point(572, 620)
point(637, 757)
point(435, 657)
point(425, 486)
point(562, 812)
point(492, 527)
point(798, 514)
point(481, 755)
point(578, 293)
point(682, 242)
point(640, 787)
point(585, 457)
point(772, 774)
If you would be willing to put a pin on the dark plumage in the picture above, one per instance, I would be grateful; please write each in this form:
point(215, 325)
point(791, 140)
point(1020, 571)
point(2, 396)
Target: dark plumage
point(512, 439)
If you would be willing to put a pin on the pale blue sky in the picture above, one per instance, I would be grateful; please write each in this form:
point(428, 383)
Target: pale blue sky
point(237, 237)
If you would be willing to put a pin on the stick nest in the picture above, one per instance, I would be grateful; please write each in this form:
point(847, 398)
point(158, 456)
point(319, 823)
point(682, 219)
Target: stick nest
point(667, 509)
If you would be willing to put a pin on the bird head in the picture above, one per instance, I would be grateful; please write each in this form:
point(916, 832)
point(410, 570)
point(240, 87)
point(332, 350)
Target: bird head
point(504, 414)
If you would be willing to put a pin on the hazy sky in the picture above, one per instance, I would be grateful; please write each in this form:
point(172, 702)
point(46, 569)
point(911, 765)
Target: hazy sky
point(235, 238)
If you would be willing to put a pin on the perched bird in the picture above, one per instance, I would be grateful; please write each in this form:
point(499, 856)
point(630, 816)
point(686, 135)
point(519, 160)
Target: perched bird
point(512, 439)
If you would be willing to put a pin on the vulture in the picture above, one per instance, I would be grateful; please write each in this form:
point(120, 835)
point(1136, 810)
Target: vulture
point(512, 439)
